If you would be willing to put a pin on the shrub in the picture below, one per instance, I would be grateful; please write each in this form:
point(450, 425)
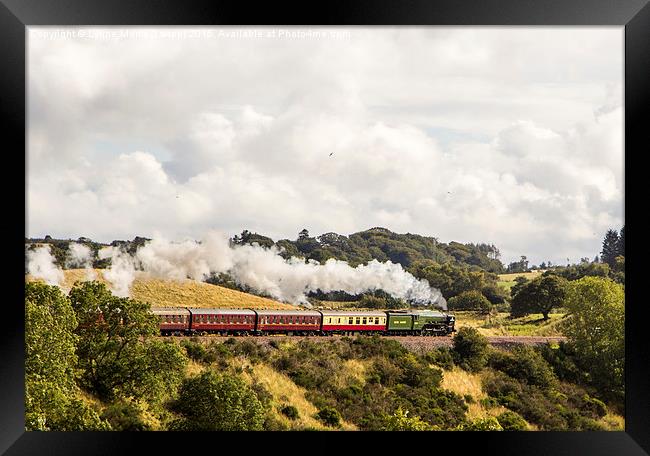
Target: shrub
point(290, 412)
point(511, 421)
point(441, 357)
point(400, 421)
point(212, 402)
point(526, 364)
point(329, 416)
point(125, 415)
point(482, 424)
point(470, 300)
point(470, 349)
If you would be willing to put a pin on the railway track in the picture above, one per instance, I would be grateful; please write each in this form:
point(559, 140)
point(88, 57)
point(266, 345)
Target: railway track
point(413, 343)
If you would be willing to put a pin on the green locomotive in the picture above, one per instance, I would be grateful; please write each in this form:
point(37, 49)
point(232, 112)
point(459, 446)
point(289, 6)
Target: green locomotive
point(420, 322)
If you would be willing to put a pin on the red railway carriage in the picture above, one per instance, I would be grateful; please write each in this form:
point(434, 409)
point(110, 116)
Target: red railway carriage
point(172, 319)
point(222, 320)
point(337, 321)
point(287, 320)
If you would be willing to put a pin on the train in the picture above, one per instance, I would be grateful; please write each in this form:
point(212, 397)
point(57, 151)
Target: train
point(185, 321)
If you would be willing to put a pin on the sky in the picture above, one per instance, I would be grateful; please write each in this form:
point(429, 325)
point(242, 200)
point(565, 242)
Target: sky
point(511, 136)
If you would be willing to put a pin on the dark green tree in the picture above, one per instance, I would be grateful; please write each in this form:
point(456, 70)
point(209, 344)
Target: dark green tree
point(51, 363)
point(520, 281)
point(610, 248)
point(115, 351)
point(470, 349)
point(470, 300)
point(213, 402)
point(541, 295)
point(621, 242)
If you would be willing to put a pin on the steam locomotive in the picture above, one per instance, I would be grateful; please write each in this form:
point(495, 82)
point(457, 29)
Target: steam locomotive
point(197, 321)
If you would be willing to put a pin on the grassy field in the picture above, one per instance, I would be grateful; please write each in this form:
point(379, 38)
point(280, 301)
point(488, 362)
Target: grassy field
point(502, 325)
point(187, 293)
point(507, 281)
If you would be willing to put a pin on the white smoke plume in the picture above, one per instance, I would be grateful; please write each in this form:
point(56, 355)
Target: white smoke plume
point(40, 265)
point(121, 272)
point(80, 256)
point(264, 270)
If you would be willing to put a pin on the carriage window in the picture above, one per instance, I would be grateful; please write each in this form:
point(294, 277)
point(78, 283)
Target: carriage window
point(350, 320)
point(358, 320)
point(365, 320)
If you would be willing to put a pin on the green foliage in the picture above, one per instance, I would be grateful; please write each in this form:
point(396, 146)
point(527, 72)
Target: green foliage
point(596, 331)
point(400, 421)
point(564, 362)
point(511, 421)
point(290, 412)
point(578, 271)
point(114, 350)
point(525, 364)
point(212, 402)
point(540, 295)
point(126, 415)
point(51, 364)
point(610, 248)
point(551, 409)
point(329, 416)
point(470, 300)
point(441, 356)
point(470, 349)
point(482, 424)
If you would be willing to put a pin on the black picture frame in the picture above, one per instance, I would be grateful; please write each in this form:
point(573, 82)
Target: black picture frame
point(15, 15)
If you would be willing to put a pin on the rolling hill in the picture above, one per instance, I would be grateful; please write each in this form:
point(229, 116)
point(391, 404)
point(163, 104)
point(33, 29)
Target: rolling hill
point(187, 293)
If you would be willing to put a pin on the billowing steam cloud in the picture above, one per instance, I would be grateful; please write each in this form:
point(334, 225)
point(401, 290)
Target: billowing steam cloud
point(263, 270)
point(80, 256)
point(40, 265)
point(122, 270)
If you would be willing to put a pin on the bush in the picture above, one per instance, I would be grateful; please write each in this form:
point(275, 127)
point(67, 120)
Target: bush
point(125, 415)
point(198, 352)
point(526, 364)
point(511, 421)
point(400, 421)
point(212, 402)
point(329, 416)
point(482, 424)
point(441, 357)
point(470, 349)
point(290, 412)
point(470, 300)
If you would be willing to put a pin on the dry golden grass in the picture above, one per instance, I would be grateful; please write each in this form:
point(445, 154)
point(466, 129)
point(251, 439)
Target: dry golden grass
point(186, 293)
point(502, 325)
point(353, 372)
point(463, 383)
point(286, 392)
point(613, 422)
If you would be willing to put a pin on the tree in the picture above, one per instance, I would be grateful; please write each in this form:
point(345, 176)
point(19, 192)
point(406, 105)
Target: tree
point(114, 350)
point(596, 330)
point(50, 364)
point(470, 300)
point(541, 295)
point(213, 402)
point(470, 349)
point(621, 242)
point(610, 248)
point(520, 281)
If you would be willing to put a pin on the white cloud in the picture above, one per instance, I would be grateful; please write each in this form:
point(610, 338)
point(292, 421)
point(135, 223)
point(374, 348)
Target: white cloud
point(532, 160)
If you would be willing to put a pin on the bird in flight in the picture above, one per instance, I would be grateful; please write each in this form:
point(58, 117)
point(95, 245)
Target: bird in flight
point(331, 153)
